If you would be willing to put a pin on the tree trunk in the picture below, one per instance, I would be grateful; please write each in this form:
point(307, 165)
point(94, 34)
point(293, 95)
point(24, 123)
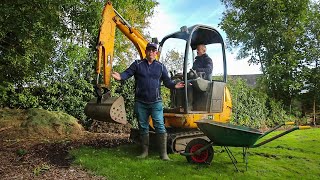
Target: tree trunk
point(314, 111)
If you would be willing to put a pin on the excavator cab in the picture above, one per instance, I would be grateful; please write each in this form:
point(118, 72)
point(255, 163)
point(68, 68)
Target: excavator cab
point(200, 94)
point(202, 97)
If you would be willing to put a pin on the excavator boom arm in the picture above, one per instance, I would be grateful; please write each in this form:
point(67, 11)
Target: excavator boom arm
point(104, 107)
point(111, 20)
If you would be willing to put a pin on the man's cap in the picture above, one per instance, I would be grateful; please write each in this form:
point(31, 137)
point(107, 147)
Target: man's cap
point(151, 44)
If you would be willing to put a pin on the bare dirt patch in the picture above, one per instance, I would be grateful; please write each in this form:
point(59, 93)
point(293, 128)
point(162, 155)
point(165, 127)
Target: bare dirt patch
point(40, 151)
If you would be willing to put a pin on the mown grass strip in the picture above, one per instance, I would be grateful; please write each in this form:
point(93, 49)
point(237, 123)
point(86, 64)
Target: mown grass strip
point(295, 155)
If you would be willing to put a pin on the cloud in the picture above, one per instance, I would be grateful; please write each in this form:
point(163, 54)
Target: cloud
point(171, 15)
point(163, 22)
point(238, 67)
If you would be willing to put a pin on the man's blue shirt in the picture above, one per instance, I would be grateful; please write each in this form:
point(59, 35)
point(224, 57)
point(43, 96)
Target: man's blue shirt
point(148, 79)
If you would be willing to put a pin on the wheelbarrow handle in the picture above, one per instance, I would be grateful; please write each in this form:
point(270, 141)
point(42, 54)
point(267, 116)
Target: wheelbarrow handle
point(304, 127)
point(289, 123)
point(277, 127)
point(279, 135)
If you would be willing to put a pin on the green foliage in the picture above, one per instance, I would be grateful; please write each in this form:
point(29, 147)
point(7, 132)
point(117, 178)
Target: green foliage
point(137, 13)
point(309, 47)
point(249, 106)
point(21, 152)
point(46, 64)
point(19, 98)
point(38, 124)
point(277, 114)
point(41, 169)
point(173, 61)
point(47, 54)
point(40, 117)
point(283, 158)
point(11, 118)
point(68, 97)
point(165, 94)
point(270, 33)
point(254, 108)
point(126, 90)
point(26, 38)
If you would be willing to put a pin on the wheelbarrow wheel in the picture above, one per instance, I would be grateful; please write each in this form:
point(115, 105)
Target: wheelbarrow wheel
point(204, 157)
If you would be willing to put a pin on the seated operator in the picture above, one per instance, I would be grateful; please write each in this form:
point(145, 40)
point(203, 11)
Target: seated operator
point(203, 64)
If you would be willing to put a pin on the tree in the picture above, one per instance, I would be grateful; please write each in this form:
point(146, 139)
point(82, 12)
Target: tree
point(173, 61)
point(47, 53)
point(267, 32)
point(309, 46)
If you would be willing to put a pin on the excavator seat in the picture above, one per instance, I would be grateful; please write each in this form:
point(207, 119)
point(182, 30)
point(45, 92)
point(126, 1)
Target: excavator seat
point(200, 84)
point(203, 95)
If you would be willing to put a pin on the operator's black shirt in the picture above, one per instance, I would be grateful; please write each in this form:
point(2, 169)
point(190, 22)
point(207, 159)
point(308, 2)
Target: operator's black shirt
point(204, 64)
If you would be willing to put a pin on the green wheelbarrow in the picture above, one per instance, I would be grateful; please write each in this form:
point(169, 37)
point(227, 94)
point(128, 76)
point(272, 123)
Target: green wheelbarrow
point(200, 151)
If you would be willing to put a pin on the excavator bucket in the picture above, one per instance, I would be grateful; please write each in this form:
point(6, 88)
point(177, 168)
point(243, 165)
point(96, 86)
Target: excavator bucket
point(110, 109)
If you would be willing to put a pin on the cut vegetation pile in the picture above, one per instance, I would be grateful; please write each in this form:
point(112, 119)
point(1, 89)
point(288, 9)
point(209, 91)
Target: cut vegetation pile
point(35, 143)
point(38, 124)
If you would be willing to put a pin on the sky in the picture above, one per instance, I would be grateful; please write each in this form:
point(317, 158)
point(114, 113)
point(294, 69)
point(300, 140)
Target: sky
point(170, 15)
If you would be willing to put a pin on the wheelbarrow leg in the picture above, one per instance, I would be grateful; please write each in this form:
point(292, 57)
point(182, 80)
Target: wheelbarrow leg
point(233, 159)
point(245, 156)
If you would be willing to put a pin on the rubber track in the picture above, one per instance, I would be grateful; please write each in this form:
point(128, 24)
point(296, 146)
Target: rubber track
point(175, 138)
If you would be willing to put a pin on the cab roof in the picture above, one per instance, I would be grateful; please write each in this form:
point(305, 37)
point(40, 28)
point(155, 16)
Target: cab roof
point(200, 34)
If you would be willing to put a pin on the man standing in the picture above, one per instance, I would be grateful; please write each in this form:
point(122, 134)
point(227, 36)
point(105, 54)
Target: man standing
point(203, 63)
point(148, 74)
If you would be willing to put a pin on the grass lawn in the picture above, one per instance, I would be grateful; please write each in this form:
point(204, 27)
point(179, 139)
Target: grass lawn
point(293, 156)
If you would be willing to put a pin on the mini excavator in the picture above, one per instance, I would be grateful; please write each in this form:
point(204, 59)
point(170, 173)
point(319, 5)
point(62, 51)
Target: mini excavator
point(203, 99)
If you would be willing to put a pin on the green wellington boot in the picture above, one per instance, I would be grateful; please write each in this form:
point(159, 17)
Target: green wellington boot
point(144, 145)
point(162, 140)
